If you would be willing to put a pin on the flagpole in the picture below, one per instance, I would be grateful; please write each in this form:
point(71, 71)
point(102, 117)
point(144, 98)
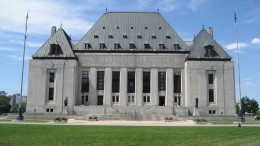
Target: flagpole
point(240, 114)
point(20, 116)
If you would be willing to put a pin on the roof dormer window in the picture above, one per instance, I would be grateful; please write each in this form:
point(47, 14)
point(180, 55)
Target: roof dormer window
point(145, 27)
point(132, 46)
point(124, 36)
point(177, 47)
point(160, 27)
point(87, 46)
point(55, 49)
point(95, 36)
point(102, 46)
point(139, 36)
point(162, 46)
point(110, 36)
point(132, 27)
point(210, 52)
point(168, 37)
point(147, 46)
point(117, 46)
point(117, 27)
point(104, 27)
point(153, 37)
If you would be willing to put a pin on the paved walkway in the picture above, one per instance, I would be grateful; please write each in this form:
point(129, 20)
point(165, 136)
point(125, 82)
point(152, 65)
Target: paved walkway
point(130, 123)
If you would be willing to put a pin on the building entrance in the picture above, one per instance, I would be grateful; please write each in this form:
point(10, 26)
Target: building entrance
point(100, 100)
point(161, 100)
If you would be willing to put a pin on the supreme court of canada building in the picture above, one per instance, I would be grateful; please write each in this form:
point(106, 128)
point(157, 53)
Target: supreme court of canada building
point(131, 63)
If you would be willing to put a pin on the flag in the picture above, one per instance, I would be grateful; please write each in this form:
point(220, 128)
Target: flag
point(235, 17)
point(27, 16)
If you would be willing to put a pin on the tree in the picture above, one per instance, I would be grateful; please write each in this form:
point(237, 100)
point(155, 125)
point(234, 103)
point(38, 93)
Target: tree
point(15, 108)
point(4, 102)
point(249, 105)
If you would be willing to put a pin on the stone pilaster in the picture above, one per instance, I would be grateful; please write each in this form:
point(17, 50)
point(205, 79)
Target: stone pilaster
point(154, 87)
point(123, 87)
point(169, 87)
point(139, 86)
point(92, 98)
point(108, 87)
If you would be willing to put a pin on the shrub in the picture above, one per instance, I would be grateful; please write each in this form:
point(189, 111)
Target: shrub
point(94, 118)
point(90, 118)
point(200, 120)
point(170, 118)
point(166, 118)
point(59, 119)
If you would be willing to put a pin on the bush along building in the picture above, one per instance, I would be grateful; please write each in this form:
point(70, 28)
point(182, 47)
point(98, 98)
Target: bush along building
point(131, 63)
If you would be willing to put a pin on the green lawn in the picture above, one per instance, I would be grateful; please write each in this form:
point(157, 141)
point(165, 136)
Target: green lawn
point(55, 135)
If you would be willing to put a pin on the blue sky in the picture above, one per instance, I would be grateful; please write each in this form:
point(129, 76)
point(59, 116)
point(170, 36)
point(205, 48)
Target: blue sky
point(77, 17)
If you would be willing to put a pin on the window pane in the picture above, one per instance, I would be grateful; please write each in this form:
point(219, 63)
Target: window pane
point(51, 93)
point(161, 81)
point(177, 82)
point(100, 80)
point(115, 81)
point(210, 78)
point(52, 77)
point(146, 82)
point(211, 95)
point(85, 81)
point(131, 82)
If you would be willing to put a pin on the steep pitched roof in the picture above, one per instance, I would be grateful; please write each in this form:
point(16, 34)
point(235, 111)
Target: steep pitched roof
point(59, 38)
point(202, 40)
point(151, 26)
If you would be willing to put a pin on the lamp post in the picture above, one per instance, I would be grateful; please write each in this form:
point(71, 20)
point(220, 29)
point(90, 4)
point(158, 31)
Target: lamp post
point(240, 117)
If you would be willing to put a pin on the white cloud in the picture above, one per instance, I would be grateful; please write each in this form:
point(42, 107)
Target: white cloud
point(255, 41)
point(19, 58)
point(195, 4)
point(249, 83)
point(7, 49)
point(233, 46)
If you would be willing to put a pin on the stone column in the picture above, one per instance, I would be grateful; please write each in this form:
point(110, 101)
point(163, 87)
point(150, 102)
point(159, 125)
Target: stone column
point(154, 86)
point(123, 87)
point(169, 87)
point(108, 87)
point(92, 97)
point(139, 86)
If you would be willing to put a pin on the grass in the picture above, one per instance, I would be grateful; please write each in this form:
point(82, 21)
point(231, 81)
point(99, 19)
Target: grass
point(12, 134)
point(232, 122)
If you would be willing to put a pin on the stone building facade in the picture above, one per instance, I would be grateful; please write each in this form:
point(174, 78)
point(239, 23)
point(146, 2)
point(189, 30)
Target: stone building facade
point(131, 63)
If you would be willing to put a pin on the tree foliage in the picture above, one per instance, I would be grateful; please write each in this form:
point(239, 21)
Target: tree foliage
point(4, 102)
point(16, 107)
point(249, 105)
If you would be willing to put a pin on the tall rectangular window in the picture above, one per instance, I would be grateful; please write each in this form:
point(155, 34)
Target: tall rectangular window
point(211, 78)
point(115, 81)
point(131, 82)
point(100, 80)
point(51, 77)
point(51, 93)
point(146, 82)
point(85, 81)
point(161, 81)
point(177, 82)
point(211, 95)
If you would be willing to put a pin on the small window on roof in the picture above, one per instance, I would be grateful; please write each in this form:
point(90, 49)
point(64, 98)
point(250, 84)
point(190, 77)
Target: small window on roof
point(132, 27)
point(117, 46)
point(177, 47)
point(168, 37)
point(162, 46)
point(55, 49)
point(124, 36)
point(87, 46)
point(210, 52)
point(145, 27)
point(132, 46)
point(139, 36)
point(104, 27)
point(102, 46)
point(147, 46)
point(160, 27)
point(95, 36)
point(117, 27)
point(110, 36)
point(153, 37)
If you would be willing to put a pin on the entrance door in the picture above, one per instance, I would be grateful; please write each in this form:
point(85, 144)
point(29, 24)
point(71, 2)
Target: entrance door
point(100, 100)
point(161, 100)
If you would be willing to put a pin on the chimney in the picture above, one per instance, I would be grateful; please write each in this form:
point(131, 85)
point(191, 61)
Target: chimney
point(210, 31)
point(53, 30)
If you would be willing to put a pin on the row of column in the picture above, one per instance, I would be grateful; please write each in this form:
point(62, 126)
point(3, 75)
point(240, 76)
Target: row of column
point(107, 93)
